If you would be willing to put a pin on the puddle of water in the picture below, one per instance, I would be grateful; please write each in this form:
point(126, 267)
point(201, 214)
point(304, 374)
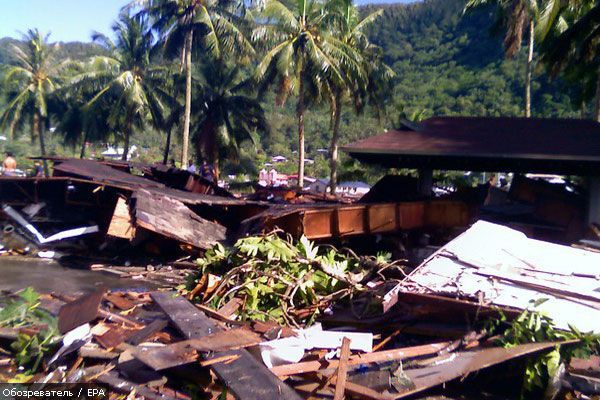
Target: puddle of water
point(48, 276)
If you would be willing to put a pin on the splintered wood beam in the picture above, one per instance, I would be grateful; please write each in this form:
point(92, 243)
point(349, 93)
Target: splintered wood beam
point(342, 370)
point(378, 356)
point(245, 376)
point(186, 352)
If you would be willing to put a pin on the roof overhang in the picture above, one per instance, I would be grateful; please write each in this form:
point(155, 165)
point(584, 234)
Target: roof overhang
point(557, 146)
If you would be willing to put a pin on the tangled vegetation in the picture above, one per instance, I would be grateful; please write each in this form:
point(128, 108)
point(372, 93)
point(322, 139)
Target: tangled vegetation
point(25, 312)
point(533, 326)
point(280, 279)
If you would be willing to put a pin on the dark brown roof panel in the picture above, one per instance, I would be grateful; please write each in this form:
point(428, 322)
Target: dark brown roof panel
point(512, 144)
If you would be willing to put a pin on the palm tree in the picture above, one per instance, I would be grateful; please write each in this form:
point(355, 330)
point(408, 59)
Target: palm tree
point(31, 83)
point(518, 16)
point(360, 75)
point(302, 55)
point(225, 114)
point(80, 123)
point(571, 46)
point(185, 25)
point(128, 80)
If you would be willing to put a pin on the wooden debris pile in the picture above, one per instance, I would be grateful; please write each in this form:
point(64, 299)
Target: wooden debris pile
point(161, 346)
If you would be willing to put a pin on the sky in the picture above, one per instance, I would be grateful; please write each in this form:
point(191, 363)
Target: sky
point(66, 20)
point(70, 20)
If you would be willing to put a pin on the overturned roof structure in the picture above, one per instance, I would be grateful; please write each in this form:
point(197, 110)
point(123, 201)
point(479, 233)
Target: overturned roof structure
point(564, 146)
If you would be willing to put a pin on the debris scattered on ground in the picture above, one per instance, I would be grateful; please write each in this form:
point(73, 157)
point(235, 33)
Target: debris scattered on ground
point(251, 307)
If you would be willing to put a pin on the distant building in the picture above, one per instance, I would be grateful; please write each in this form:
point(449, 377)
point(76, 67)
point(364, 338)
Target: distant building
point(272, 178)
point(293, 180)
point(318, 186)
point(352, 188)
point(349, 188)
point(263, 177)
point(117, 153)
point(278, 159)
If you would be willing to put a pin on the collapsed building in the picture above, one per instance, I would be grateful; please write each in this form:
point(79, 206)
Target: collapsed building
point(421, 330)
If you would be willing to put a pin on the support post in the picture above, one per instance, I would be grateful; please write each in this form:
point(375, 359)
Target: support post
point(425, 182)
point(594, 200)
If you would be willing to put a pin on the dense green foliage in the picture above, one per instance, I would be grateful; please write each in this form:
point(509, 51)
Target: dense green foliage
point(280, 279)
point(445, 63)
point(533, 326)
point(25, 311)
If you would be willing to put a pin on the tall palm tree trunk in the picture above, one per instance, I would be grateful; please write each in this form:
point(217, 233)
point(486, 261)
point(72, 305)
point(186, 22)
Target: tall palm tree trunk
point(127, 138)
point(529, 71)
point(300, 110)
point(215, 156)
point(82, 152)
point(335, 136)
point(188, 98)
point(38, 127)
point(167, 148)
point(11, 129)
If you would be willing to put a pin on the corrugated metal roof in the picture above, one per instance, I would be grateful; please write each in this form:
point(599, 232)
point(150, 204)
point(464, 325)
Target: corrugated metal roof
point(469, 142)
point(500, 266)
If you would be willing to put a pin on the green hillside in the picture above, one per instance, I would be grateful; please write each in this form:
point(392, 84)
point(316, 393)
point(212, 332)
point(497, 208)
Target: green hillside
point(445, 64)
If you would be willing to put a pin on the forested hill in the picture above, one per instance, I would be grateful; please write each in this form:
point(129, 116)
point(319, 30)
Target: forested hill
point(72, 50)
point(447, 63)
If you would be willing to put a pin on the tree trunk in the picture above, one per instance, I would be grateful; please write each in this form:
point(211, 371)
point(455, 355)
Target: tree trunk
point(215, 157)
point(335, 136)
point(127, 137)
point(300, 110)
point(188, 99)
point(529, 71)
point(167, 148)
point(82, 152)
point(38, 127)
point(11, 129)
point(597, 105)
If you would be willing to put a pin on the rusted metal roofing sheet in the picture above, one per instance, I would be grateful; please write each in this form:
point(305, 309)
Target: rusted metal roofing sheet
point(497, 144)
point(104, 174)
point(500, 266)
point(99, 172)
point(321, 221)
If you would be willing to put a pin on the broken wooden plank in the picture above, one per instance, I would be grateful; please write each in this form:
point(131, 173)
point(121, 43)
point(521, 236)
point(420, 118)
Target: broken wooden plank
point(80, 311)
point(114, 336)
point(352, 389)
point(378, 356)
point(378, 380)
point(246, 377)
point(171, 218)
point(97, 353)
point(119, 301)
point(463, 363)
point(119, 385)
point(365, 392)
point(149, 330)
point(120, 225)
point(231, 307)
point(216, 360)
point(342, 370)
point(186, 352)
